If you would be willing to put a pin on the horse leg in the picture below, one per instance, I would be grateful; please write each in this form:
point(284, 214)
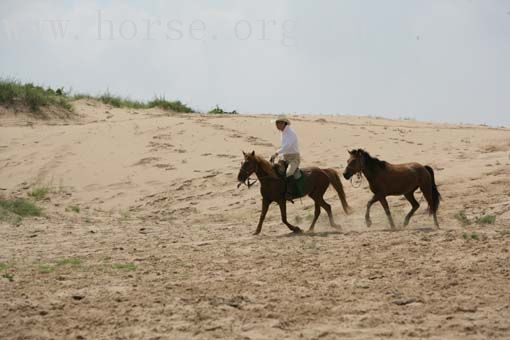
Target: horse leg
point(265, 207)
point(427, 193)
point(327, 207)
point(315, 216)
point(415, 205)
point(384, 203)
point(283, 211)
point(368, 221)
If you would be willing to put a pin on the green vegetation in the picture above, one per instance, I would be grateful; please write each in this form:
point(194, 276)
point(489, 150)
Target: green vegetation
point(218, 110)
point(3, 266)
point(70, 261)
point(46, 268)
point(124, 266)
point(473, 236)
point(34, 97)
point(462, 218)
point(117, 101)
point(39, 193)
point(15, 209)
point(159, 102)
point(486, 219)
point(73, 208)
point(164, 104)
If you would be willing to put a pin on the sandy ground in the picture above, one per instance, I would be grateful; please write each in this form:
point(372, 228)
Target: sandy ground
point(162, 247)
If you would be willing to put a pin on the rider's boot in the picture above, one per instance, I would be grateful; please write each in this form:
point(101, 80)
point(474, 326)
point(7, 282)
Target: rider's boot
point(290, 181)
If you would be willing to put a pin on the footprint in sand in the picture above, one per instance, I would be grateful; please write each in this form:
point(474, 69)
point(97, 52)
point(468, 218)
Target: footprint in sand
point(147, 160)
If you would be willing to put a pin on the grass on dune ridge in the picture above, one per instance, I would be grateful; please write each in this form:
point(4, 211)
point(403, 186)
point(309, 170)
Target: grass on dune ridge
point(158, 101)
point(34, 97)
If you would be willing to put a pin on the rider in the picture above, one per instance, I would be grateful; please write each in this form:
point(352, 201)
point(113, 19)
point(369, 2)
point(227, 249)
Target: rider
point(290, 152)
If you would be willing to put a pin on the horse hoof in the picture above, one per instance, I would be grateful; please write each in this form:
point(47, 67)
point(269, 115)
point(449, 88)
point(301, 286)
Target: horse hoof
point(297, 230)
point(337, 226)
point(256, 233)
point(369, 224)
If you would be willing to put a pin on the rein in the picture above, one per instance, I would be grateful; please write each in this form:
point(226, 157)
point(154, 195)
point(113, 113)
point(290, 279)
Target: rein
point(359, 174)
point(360, 180)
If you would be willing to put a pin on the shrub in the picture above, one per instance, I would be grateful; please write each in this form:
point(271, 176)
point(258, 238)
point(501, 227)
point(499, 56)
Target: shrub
point(219, 110)
point(164, 104)
point(20, 207)
point(39, 193)
point(486, 219)
point(461, 217)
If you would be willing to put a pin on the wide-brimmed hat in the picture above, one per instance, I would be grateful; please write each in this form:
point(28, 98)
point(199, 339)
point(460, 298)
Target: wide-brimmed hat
point(282, 119)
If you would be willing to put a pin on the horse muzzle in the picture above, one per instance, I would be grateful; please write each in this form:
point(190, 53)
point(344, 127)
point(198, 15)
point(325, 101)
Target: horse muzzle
point(347, 175)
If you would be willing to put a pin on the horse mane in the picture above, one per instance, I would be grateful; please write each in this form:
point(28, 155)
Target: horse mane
point(372, 163)
point(266, 166)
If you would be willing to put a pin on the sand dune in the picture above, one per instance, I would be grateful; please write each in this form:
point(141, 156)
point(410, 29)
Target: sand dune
point(164, 245)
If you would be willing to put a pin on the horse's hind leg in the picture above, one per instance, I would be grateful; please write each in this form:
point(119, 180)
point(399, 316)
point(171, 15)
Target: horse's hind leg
point(427, 193)
point(384, 203)
point(316, 214)
point(327, 207)
point(415, 205)
point(283, 211)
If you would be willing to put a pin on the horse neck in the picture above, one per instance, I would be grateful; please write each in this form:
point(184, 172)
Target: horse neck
point(371, 172)
point(260, 172)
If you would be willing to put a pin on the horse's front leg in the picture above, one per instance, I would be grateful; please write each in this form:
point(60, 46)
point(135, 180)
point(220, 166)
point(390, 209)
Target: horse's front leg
point(265, 207)
point(368, 221)
point(283, 211)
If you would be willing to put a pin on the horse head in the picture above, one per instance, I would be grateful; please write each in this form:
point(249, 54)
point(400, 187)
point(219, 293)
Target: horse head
point(355, 163)
point(248, 166)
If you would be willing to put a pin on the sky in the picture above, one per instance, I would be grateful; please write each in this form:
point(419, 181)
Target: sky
point(436, 60)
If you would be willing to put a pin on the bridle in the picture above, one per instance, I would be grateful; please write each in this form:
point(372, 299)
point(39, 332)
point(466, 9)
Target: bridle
point(248, 182)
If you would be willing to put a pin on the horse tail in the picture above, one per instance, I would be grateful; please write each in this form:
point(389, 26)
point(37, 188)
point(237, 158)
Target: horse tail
point(436, 196)
point(334, 179)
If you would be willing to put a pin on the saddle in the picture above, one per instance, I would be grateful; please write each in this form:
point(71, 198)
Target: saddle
point(297, 184)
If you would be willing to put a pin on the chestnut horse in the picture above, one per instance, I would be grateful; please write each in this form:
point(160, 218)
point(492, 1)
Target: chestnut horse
point(272, 188)
point(387, 179)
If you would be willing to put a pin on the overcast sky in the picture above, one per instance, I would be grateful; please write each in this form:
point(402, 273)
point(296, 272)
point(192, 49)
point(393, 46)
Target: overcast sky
point(433, 60)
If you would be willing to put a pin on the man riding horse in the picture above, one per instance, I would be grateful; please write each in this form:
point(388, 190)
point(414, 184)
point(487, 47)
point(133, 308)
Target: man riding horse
point(289, 150)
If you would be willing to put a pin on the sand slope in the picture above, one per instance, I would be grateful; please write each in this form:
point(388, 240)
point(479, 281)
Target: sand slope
point(163, 236)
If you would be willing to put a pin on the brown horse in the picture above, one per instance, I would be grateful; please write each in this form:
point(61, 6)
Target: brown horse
point(272, 188)
point(387, 179)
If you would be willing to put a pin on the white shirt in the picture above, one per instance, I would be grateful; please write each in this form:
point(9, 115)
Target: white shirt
point(289, 142)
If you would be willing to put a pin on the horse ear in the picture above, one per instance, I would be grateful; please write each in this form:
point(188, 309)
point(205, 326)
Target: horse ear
point(253, 153)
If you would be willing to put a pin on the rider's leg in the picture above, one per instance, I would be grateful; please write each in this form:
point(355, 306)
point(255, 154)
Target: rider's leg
point(293, 161)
